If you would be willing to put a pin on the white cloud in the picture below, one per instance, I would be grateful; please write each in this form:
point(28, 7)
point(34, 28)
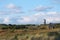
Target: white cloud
point(6, 20)
point(38, 17)
point(42, 14)
point(42, 8)
point(49, 16)
point(52, 13)
point(32, 18)
point(39, 14)
point(53, 19)
point(11, 6)
point(49, 19)
point(11, 9)
point(14, 8)
point(28, 19)
point(35, 18)
point(24, 19)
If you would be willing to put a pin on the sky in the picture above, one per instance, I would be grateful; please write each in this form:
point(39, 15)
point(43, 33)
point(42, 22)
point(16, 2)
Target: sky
point(29, 11)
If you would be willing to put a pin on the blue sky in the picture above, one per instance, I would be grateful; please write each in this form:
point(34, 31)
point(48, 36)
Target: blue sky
point(29, 11)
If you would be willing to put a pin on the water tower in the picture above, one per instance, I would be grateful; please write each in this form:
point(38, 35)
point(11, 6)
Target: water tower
point(44, 21)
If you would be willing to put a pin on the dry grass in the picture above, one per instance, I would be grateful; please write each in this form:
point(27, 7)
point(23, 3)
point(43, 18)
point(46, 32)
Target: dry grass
point(25, 35)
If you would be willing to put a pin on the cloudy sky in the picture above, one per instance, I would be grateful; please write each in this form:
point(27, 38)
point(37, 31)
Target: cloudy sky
point(29, 11)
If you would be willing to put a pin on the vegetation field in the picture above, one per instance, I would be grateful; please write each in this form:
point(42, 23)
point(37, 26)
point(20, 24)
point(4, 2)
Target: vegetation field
point(30, 33)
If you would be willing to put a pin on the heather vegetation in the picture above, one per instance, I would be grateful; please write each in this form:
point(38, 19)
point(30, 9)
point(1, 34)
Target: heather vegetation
point(29, 32)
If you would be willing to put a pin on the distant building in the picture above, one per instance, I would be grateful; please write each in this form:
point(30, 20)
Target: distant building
point(51, 26)
point(54, 25)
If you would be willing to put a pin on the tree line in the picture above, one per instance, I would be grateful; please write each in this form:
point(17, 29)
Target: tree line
point(14, 26)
